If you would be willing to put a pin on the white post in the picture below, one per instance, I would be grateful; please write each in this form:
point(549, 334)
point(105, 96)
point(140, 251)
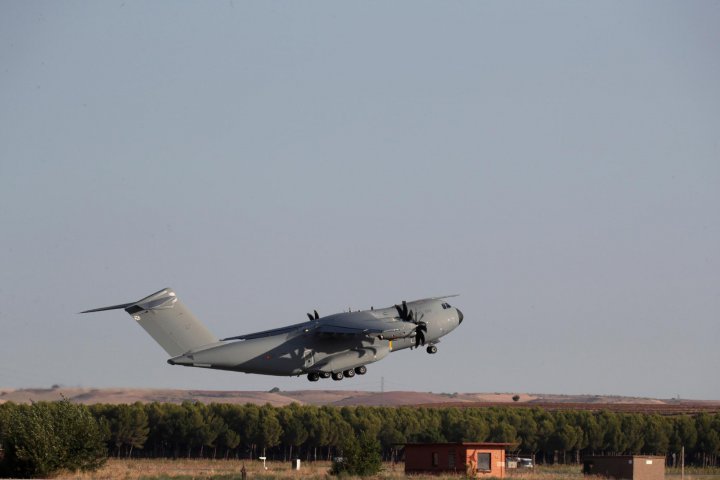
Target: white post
point(682, 463)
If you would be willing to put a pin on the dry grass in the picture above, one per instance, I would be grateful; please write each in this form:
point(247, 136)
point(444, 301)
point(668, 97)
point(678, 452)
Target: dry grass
point(120, 469)
point(160, 469)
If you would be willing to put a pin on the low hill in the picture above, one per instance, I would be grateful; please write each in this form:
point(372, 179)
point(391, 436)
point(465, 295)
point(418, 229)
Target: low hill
point(355, 398)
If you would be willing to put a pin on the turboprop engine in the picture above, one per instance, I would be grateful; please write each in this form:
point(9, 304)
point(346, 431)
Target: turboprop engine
point(353, 358)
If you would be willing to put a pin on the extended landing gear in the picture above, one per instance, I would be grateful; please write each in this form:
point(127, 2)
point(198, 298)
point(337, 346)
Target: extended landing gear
point(337, 376)
point(315, 376)
point(432, 349)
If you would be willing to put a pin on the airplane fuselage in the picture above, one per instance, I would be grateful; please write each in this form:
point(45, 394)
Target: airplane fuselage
point(302, 350)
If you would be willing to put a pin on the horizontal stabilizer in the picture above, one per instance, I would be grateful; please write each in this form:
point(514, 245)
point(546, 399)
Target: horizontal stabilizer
point(114, 307)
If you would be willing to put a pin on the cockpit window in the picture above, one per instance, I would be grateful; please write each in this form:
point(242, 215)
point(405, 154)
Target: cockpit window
point(446, 305)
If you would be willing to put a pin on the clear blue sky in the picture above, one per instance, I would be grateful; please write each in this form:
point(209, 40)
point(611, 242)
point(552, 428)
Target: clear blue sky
point(555, 163)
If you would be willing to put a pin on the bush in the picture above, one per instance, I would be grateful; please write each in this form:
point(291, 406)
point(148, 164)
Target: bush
point(360, 457)
point(44, 438)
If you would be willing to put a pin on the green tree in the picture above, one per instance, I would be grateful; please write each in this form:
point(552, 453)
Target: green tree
point(503, 432)
point(269, 430)
point(565, 437)
point(528, 434)
point(633, 428)
point(476, 427)
point(131, 428)
point(657, 435)
point(360, 457)
point(339, 429)
point(708, 434)
point(318, 427)
point(430, 424)
point(684, 434)
point(613, 440)
point(211, 428)
point(230, 440)
point(593, 434)
point(43, 438)
point(295, 432)
point(390, 438)
point(453, 424)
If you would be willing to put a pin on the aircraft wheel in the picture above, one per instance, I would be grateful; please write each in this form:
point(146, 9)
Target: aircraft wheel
point(313, 376)
point(432, 349)
point(337, 376)
point(361, 370)
point(349, 373)
point(324, 374)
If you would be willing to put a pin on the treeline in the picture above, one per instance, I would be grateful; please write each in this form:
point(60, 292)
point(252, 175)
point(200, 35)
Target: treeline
point(317, 433)
point(312, 433)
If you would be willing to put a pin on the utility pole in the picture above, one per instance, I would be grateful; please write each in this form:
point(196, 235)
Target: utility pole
point(682, 463)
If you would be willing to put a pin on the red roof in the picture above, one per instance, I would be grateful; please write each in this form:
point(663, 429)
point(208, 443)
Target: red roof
point(460, 444)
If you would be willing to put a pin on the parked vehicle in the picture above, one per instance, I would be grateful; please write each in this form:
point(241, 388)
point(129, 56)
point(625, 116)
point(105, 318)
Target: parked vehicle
point(525, 463)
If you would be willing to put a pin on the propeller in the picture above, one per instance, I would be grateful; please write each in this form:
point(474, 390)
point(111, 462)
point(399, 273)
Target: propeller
point(419, 335)
point(316, 317)
point(403, 313)
point(408, 316)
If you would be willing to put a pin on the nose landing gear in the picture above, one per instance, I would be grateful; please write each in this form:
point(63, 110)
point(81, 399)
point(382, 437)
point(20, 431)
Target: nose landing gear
point(432, 349)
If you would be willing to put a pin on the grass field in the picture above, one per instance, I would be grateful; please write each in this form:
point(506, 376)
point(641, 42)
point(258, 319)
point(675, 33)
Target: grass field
point(119, 469)
point(138, 469)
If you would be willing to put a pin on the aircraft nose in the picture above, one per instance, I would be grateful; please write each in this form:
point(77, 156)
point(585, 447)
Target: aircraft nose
point(460, 316)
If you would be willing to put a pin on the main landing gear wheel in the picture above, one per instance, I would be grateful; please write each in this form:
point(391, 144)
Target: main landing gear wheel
point(349, 373)
point(361, 370)
point(313, 376)
point(324, 374)
point(432, 349)
point(337, 376)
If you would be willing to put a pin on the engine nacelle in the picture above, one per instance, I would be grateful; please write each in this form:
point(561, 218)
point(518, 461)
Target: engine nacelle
point(353, 358)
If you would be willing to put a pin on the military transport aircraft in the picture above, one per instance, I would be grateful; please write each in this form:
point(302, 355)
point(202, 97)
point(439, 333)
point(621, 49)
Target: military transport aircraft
point(336, 346)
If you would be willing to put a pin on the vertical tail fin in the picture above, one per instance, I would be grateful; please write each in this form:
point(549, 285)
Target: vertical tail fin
point(168, 321)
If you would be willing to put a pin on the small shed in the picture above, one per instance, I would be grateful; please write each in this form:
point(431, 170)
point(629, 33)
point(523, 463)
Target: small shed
point(466, 458)
point(632, 467)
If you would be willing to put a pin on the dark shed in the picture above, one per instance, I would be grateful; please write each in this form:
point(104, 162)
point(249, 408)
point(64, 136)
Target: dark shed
point(632, 467)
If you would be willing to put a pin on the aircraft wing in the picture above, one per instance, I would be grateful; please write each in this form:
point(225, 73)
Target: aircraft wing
point(355, 323)
point(274, 331)
point(344, 330)
point(358, 323)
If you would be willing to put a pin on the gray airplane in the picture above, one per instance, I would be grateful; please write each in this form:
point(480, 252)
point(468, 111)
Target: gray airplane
point(336, 346)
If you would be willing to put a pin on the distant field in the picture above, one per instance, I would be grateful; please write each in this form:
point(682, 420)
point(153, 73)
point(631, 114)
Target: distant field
point(340, 398)
point(674, 408)
point(119, 469)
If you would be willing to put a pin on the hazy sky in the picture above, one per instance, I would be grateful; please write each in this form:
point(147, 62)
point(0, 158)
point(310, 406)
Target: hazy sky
point(555, 163)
